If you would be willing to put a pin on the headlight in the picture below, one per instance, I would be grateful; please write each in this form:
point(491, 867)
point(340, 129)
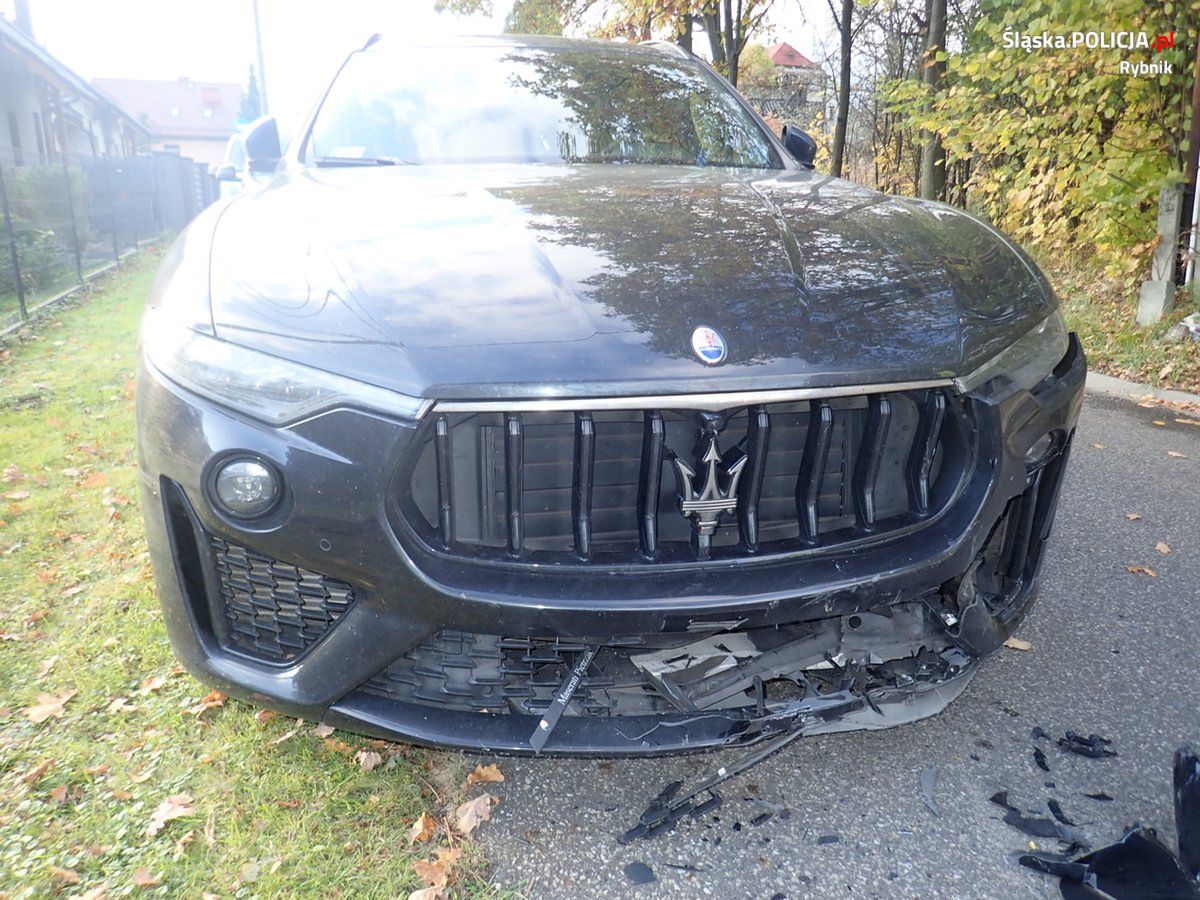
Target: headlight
point(273, 390)
point(1030, 359)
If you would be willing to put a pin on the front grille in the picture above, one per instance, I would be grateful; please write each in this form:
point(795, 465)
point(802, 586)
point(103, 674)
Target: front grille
point(646, 486)
point(273, 610)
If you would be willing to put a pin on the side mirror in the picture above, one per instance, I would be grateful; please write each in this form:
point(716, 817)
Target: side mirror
point(800, 144)
point(263, 150)
point(227, 173)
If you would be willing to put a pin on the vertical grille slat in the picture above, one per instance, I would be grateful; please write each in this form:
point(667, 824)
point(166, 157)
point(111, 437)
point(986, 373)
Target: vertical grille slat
point(445, 465)
point(514, 472)
point(812, 468)
point(870, 458)
point(581, 482)
point(924, 448)
point(758, 439)
point(650, 481)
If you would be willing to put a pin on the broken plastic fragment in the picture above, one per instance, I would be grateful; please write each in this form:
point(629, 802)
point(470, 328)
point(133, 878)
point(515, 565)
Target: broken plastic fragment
point(928, 783)
point(1035, 826)
point(562, 697)
point(1056, 810)
point(1101, 796)
point(1187, 808)
point(1040, 758)
point(1093, 745)
point(829, 839)
point(639, 873)
point(1138, 866)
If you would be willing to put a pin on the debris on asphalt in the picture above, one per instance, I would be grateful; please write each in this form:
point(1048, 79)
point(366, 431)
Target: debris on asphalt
point(1036, 826)
point(639, 873)
point(1093, 745)
point(1039, 757)
point(928, 783)
point(1139, 864)
point(1101, 796)
point(829, 839)
point(1039, 733)
point(760, 819)
point(1016, 643)
point(1056, 810)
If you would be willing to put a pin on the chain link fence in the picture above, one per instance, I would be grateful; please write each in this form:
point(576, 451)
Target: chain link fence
point(65, 222)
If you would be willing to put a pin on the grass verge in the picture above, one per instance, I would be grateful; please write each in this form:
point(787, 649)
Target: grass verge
point(274, 807)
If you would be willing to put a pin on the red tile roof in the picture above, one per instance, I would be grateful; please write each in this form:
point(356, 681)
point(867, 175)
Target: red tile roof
point(152, 102)
point(787, 55)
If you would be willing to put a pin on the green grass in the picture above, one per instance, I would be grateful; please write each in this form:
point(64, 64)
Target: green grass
point(78, 613)
point(1104, 312)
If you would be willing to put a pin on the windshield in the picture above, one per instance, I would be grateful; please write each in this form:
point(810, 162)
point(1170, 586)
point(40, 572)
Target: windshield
point(490, 104)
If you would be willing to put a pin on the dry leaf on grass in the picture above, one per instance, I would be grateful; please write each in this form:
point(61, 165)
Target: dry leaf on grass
point(182, 844)
point(45, 666)
point(59, 794)
point(287, 735)
point(422, 829)
point(1162, 547)
point(37, 771)
point(1141, 570)
point(48, 706)
point(427, 893)
point(177, 806)
point(96, 770)
point(122, 705)
point(437, 873)
point(99, 892)
point(323, 731)
point(151, 684)
point(144, 878)
point(489, 774)
point(65, 876)
point(473, 813)
point(263, 716)
point(210, 701)
point(1016, 643)
point(368, 760)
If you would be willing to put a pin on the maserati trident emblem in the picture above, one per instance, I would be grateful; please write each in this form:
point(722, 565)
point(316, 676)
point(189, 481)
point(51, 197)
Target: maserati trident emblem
point(708, 345)
point(716, 497)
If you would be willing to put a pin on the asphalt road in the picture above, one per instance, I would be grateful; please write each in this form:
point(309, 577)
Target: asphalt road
point(1113, 652)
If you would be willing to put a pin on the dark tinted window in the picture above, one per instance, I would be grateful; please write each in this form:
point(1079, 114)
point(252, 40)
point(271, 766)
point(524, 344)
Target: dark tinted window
point(537, 105)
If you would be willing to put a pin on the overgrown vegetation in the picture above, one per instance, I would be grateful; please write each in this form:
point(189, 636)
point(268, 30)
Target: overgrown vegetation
point(119, 772)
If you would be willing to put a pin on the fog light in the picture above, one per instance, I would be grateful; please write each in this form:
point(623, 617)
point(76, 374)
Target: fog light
point(246, 488)
point(1037, 455)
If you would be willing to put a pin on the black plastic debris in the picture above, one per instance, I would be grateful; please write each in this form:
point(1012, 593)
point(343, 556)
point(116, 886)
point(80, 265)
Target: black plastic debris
point(928, 783)
point(829, 839)
point(1093, 745)
point(1137, 867)
point(1040, 758)
point(639, 873)
point(1187, 808)
point(685, 867)
point(1039, 733)
point(1035, 826)
point(760, 819)
point(1101, 796)
point(1056, 810)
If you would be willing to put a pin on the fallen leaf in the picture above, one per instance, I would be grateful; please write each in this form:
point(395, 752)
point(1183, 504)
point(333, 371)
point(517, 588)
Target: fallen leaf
point(1159, 422)
point(48, 706)
point(1176, 454)
point(1100, 446)
point(94, 479)
point(38, 771)
point(1016, 643)
point(368, 760)
point(1132, 517)
point(97, 893)
point(427, 893)
point(323, 731)
point(1195, 422)
point(17, 495)
point(66, 876)
point(9, 636)
point(143, 877)
point(122, 705)
point(177, 806)
point(473, 813)
point(59, 794)
point(182, 844)
point(96, 770)
point(286, 736)
point(263, 716)
point(485, 775)
point(122, 794)
point(210, 701)
point(422, 829)
point(437, 872)
point(73, 590)
point(1162, 547)
point(338, 746)
point(1142, 570)
point(45, 666)
point(151, 684)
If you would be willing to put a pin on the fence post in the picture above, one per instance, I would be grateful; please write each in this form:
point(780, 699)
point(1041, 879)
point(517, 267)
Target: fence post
point(112, 215)
point(74, 221)
point(12, 248)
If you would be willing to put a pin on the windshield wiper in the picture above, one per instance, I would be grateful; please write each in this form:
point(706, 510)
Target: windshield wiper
point(330, 161)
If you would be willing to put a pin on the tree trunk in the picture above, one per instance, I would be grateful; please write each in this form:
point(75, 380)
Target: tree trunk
point(684, 38)
point(933, 155)
point(843, 108)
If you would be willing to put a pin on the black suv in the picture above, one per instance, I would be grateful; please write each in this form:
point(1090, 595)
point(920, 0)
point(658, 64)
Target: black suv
point(543, 400)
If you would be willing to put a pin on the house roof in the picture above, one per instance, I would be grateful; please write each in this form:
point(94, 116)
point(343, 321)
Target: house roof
point(50, 67)
point(176, 109)
point(788, 56)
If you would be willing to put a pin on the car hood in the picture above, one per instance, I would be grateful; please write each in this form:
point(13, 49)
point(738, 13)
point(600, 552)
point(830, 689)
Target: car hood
point(481, 281)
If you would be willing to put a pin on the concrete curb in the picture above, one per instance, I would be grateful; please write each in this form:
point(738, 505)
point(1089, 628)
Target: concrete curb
point(1131, 390)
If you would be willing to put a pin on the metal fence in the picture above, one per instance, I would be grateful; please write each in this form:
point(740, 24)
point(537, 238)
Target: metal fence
point(64, 222)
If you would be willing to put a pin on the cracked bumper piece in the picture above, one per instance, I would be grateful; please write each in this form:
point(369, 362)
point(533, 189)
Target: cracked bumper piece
point(364, 601)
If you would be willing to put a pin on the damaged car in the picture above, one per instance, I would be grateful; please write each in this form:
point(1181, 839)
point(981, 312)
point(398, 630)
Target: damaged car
point(544, 400)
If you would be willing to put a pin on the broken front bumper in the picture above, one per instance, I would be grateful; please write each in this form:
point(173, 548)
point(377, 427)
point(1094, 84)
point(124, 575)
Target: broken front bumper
point(361, 636)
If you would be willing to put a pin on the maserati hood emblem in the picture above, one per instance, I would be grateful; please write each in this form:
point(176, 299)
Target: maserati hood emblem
point(717, 496)
point(708, 345)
